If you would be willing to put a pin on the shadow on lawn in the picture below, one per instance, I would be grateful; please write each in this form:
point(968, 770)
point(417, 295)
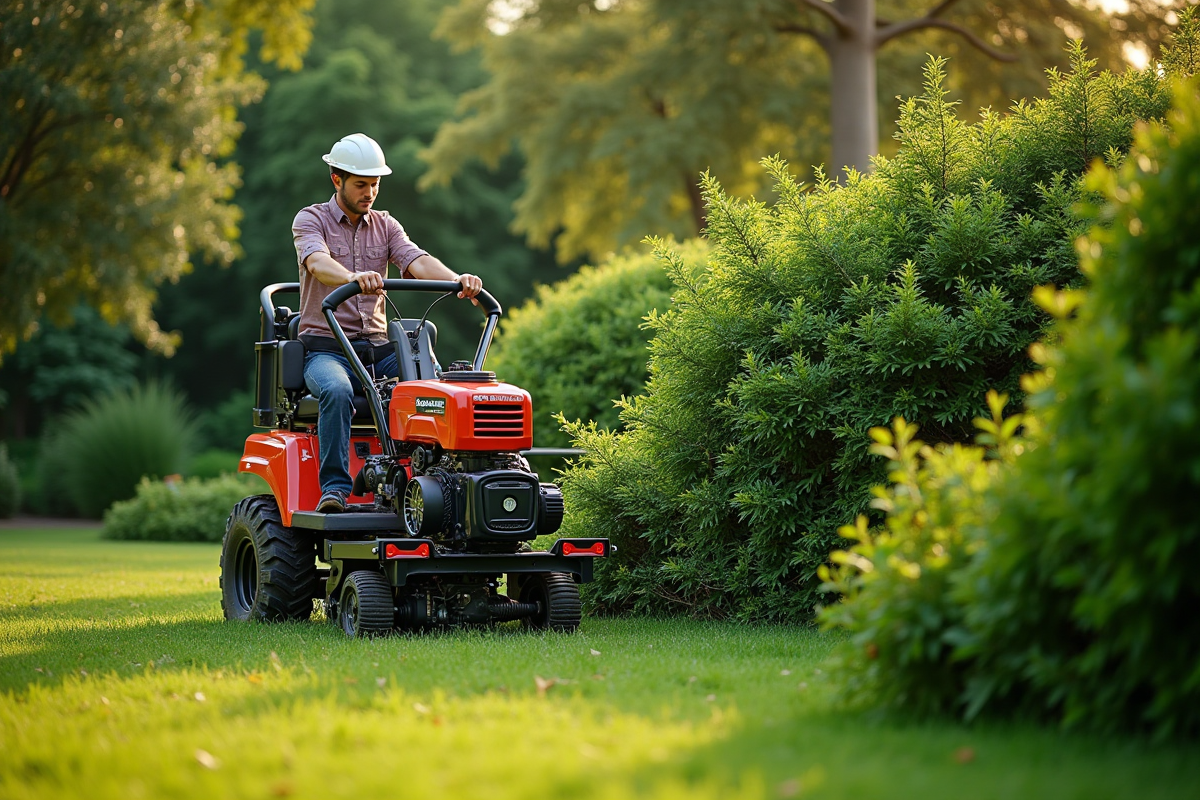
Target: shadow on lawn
point(46, 642)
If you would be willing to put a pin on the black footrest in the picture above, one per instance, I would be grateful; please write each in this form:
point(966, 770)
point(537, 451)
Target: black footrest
point(346, 521)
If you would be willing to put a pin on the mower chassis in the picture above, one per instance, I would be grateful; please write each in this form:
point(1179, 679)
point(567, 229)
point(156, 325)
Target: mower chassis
point(340, 555)
point(346, 556)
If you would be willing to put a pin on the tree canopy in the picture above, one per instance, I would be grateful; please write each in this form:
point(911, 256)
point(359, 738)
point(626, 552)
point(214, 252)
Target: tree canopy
point(120, 118)
point(619, 105)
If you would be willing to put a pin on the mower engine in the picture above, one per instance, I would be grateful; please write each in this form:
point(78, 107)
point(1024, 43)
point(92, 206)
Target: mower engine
point(459, 478)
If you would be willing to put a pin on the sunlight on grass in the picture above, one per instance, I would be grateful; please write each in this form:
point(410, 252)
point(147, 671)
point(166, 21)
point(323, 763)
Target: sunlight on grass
point(120, 679)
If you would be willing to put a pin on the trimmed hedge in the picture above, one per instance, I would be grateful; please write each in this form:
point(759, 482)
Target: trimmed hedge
point(581, 342)
point(191, 510)
point(901, 293)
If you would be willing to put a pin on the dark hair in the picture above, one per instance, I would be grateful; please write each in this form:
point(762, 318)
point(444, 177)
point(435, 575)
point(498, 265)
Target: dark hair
point(341, 173)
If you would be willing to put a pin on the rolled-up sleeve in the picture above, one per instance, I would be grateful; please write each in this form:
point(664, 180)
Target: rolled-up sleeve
point(308, 235)
point(401, 250)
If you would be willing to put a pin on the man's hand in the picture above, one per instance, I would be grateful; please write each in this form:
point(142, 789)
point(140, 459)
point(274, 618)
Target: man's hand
point(369, 282)
point(472, 285)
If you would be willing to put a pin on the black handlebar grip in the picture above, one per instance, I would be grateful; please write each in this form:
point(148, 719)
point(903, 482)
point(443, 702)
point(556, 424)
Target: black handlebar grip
point(347, 290)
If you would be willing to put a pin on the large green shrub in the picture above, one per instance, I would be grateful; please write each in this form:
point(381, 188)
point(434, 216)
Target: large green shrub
point(191, 510)
point(581, 342)
point(1066, 586)
point(102, 451)
point(10, 485)
point(902, 293)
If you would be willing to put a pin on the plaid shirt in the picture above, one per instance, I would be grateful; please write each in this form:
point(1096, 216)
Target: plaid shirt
point(377, 241)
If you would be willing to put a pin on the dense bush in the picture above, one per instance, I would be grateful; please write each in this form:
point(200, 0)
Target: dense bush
point(191, 510)
point(580, 343)
point(1072, 590)
point(10, 485)
point(895, 590)
point(902, 293)
point(102, 451)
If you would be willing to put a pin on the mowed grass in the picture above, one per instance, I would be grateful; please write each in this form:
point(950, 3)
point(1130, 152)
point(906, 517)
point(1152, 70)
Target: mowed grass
point(120, 679)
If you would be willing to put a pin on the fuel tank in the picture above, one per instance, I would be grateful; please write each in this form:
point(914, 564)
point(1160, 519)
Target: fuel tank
point(485, 416)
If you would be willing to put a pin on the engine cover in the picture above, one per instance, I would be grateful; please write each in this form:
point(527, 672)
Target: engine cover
point(494, 506)
point(477, 416)
point(501, 505)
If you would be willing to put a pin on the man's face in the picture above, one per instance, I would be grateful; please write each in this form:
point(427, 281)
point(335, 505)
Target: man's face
point(357, 192)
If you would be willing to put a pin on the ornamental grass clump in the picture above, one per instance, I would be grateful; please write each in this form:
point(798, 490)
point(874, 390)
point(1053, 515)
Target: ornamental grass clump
point(110, 444)
point(1065, 586)
point(833, 310)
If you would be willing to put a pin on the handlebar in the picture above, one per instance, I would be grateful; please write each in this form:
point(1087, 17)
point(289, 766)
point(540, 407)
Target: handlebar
point(341, 294)
point(344, 292)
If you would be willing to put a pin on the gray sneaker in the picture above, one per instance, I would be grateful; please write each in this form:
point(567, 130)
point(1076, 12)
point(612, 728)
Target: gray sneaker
point(332, 502)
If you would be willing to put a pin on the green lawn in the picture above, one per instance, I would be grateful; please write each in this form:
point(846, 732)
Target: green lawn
point(120, 680)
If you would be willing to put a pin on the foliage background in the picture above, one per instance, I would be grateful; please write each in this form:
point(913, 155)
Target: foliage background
point(372, 67)
point(903, 293)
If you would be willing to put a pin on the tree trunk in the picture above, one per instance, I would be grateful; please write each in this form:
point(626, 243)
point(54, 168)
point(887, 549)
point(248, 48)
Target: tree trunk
point(696, 201)
point(854, 118)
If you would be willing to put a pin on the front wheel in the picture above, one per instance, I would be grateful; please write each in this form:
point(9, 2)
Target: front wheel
point(268, 571)
point(366, 607)
point(558, 597)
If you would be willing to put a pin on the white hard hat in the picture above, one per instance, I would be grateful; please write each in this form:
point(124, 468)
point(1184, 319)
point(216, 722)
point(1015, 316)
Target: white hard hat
point(357, 154)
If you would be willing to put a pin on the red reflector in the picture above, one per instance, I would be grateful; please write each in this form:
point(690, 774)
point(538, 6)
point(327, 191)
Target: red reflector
point(574, 550)
point(422, 551)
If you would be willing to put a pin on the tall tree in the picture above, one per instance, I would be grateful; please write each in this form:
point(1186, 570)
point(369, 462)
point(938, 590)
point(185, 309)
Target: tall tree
point(619, 105)
point(119, 118)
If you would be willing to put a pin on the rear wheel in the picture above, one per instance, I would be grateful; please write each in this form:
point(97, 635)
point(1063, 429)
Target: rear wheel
point(268, 571)
point(366, 608)
point(559, 599)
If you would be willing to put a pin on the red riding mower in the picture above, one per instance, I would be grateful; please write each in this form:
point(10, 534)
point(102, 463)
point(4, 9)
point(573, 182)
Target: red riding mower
point(444, 503)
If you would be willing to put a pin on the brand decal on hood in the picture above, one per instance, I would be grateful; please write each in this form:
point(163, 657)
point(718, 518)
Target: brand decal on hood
point(431, 405)
point(497, 398)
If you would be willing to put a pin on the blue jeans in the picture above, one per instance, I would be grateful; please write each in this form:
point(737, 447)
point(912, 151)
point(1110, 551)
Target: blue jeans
point(330, 380)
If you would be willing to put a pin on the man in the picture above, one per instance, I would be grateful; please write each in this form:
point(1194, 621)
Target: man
point(337, 242)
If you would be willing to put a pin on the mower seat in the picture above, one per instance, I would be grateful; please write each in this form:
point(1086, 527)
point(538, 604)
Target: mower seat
point(422, 364)
point(291, 374)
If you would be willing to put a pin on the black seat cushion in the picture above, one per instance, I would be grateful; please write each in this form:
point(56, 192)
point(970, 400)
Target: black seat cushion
point(306, 409)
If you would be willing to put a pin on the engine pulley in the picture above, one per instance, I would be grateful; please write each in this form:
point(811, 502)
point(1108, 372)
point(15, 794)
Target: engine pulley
point(424, 503)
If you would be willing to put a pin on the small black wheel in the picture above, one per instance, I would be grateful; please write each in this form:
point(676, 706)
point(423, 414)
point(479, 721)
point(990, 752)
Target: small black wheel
point(268, 571)
point(366, 607)
point(558, 596)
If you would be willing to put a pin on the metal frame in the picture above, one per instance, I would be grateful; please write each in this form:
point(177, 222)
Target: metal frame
point(398, 570)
